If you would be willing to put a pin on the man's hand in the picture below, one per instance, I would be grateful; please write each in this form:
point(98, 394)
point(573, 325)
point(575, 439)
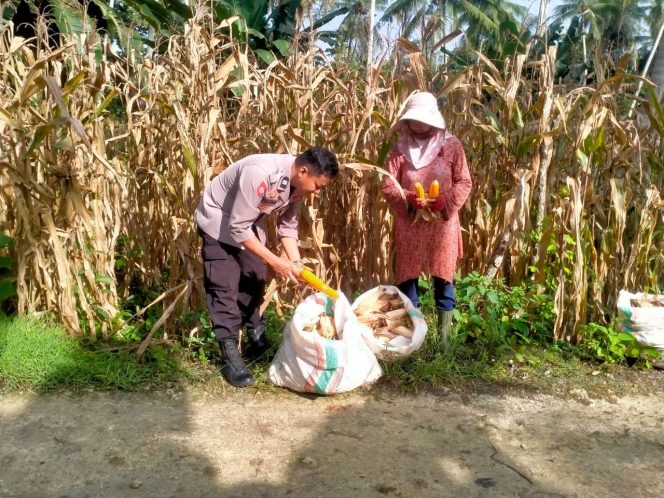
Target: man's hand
point(281, 267)
point(285, 270)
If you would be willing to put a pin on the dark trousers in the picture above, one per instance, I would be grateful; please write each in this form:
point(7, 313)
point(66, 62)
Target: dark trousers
point(443, 293)
point(234, 281)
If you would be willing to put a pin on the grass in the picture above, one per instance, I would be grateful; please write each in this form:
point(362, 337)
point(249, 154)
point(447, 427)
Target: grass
point(477, 361)
point(552, 369)
point(39, 356)
point(483, 365)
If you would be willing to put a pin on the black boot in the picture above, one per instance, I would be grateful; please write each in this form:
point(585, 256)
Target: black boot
point(233, 367)
point(258, 344)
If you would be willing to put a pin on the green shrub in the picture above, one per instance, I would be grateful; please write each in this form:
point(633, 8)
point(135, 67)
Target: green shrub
point(605, 344)
point(502, 317)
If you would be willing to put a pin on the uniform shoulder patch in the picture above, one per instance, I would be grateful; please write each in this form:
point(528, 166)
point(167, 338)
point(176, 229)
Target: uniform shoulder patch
point(261, 190)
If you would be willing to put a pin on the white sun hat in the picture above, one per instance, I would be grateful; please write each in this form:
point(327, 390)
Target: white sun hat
point(422, 107)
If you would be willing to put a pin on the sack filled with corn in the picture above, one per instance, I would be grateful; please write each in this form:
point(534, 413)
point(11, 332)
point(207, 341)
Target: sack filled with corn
point(642, 315)
point(391, 325)
point(323, 350)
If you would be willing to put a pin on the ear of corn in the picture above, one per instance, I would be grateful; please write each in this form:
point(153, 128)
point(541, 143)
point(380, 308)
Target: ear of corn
point(316, 283)
point(326, 327)
point(434, 189)
point(402, 331)
point(385, 323)
point(419, 191)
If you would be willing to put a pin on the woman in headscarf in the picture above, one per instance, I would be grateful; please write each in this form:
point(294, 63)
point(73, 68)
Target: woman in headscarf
point(425, 151)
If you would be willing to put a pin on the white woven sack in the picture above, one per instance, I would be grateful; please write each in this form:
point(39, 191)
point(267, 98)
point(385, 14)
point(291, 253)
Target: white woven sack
point(399, 346)
point(307, 362)
point(647, 323)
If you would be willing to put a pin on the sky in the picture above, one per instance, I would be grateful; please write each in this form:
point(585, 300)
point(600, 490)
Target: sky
point(533, 6)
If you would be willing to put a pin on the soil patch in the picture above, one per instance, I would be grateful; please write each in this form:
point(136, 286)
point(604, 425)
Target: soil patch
point(373, 443)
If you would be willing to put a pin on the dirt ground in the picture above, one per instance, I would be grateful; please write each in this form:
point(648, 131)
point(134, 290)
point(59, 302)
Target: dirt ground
point(373, 443)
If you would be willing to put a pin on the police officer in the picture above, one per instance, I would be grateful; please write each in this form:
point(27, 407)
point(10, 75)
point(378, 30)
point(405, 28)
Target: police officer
point(232, 221)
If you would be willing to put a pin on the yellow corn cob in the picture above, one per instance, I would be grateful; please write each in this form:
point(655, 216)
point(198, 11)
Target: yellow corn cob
point(419, 191)
point(315, 282)
point(434, 189)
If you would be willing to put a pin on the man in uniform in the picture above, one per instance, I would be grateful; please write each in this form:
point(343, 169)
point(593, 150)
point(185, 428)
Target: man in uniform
point(232, 219)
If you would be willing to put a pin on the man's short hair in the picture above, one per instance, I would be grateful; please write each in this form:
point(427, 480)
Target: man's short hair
point(320, 161)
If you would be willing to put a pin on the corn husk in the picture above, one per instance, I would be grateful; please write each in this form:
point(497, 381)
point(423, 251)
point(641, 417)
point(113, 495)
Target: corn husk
point(326, 327)
point(385, 314)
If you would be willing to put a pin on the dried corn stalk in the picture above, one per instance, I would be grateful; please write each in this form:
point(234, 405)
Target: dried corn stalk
point(102, 165)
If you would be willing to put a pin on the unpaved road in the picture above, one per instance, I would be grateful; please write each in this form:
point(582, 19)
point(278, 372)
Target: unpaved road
point(373, 443)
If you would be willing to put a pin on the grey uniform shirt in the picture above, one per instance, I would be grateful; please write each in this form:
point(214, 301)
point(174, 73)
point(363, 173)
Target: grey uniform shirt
point(244, 194)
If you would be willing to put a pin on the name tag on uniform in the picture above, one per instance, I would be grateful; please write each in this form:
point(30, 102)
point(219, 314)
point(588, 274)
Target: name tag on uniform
point(283, 184)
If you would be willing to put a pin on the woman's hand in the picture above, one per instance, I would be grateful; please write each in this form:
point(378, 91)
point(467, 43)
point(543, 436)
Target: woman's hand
point(415, 201)
point(439, 203)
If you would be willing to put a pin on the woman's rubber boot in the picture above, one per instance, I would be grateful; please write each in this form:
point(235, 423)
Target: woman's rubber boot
point(444, 328)
point(233, 368)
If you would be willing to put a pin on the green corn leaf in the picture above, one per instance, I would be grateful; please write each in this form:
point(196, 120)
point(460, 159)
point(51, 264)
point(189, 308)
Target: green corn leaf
point(283, 46)
point(107, 100)
point(584, 160)
point(189, 158)
point(40, 134)
point(73, 83)
point(265, 55)
point(104, 279)
point(526, 146)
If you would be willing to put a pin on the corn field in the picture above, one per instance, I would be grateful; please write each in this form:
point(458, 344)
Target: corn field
point(104, 159)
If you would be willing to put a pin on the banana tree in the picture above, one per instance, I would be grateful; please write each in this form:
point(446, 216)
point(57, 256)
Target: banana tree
point(267, 26)
point(63, 16)
point(75, 16)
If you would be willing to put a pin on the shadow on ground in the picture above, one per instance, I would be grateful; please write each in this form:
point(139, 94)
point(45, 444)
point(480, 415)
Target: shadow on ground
point(373, 443)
